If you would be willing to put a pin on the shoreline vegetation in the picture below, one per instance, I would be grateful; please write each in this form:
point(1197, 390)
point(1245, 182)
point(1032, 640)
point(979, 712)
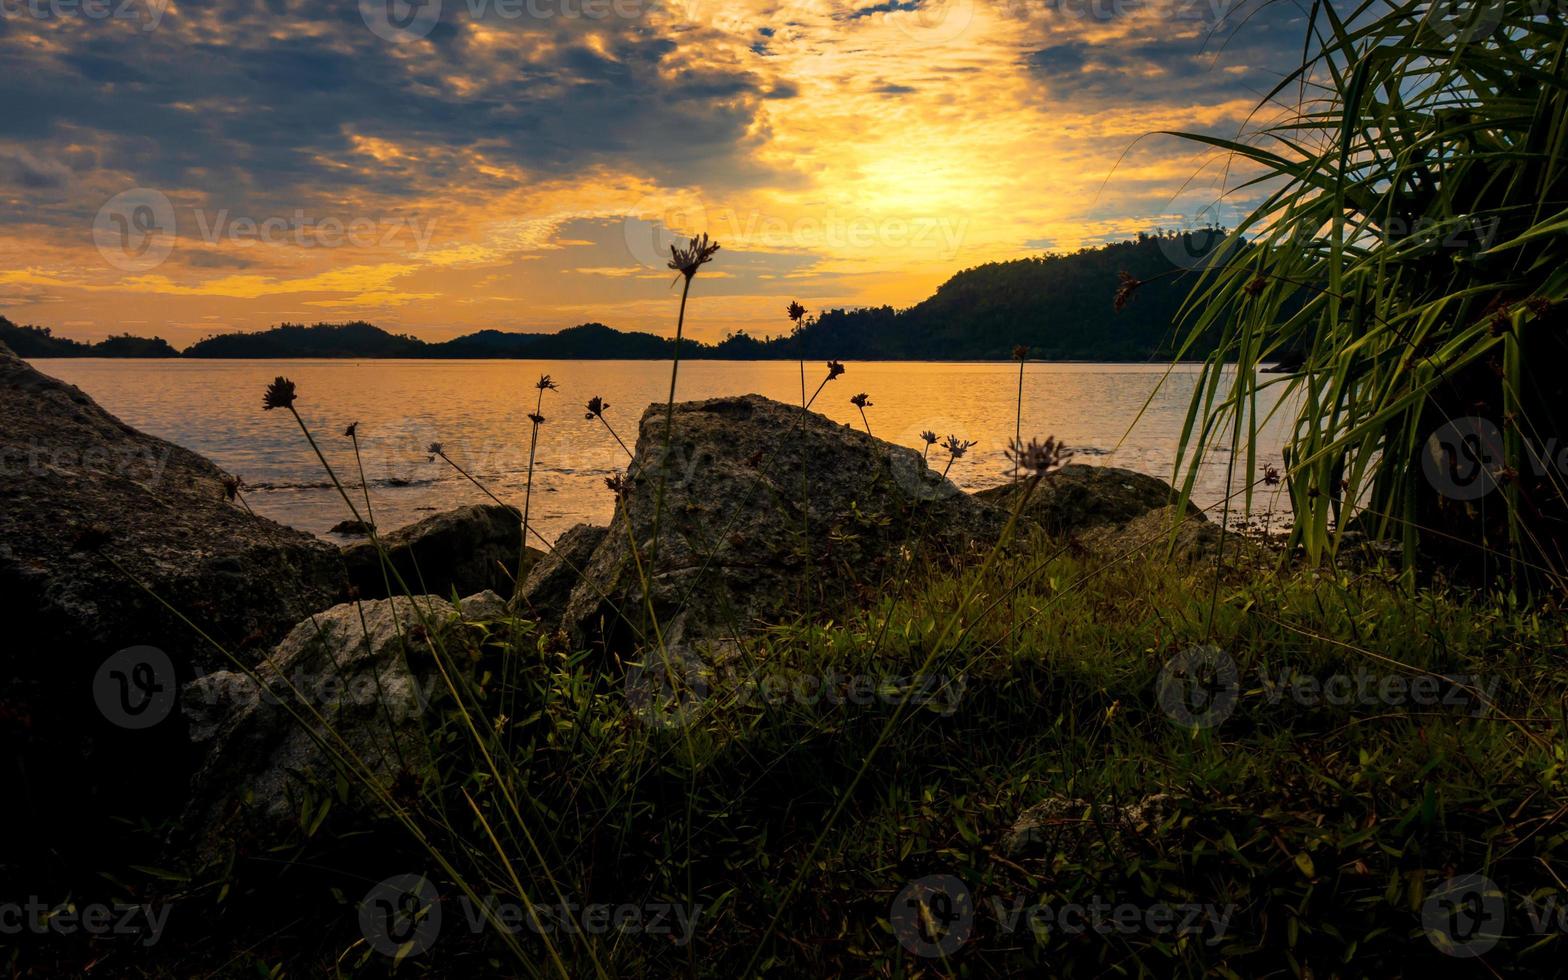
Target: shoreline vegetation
point(1060, 306)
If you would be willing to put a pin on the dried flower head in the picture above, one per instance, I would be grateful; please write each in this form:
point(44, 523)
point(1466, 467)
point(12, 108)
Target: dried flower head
point(1124, 291)
point(352, 430)
point(1037, 457)
point(861, 401)
point(280, 394)
point(545, 384)
point(834, 369)
point(688, 260)
point(536, 418)
point(956, 447)
point(928, 437)
point(1270, 475)
point(1020, 352)
point(231, 487)
point(434, 451)
point(617, 483)
point(796, 312)
point(596, 407)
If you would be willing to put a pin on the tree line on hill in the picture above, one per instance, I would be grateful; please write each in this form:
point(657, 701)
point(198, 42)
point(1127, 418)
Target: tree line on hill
point(1059, 306)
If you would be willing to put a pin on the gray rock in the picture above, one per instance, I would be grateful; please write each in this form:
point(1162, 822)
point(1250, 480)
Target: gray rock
point(1059, 823)
point(1077, 497)
point(352, 528)
point(110, 538)
point(359, 685)
point(1159, 533)
point(462, 551)
point(549, 584)
point(742, 541)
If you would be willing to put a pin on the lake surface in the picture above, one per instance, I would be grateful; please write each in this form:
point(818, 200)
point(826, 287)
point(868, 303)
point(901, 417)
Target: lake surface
point(478, 410)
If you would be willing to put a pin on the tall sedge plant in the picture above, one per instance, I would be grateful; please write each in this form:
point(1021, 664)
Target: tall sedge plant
point(1409, 255)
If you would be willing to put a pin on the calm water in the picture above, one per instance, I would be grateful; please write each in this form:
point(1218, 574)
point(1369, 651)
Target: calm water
point(478, 411)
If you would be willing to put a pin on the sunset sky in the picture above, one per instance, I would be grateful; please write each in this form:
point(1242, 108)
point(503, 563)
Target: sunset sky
point(181, 168)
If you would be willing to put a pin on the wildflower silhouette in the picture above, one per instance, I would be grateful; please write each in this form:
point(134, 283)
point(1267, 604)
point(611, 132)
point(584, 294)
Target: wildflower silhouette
point(956, 448)
point(1020, 354)
point(352, 432)
point(282, 394)
point(1127, 285)
point(862, 401)
point(543, 385)
point(686, 261)
point(596, 407)
point(1037, 458)
point(834, 370)
point(929, 438)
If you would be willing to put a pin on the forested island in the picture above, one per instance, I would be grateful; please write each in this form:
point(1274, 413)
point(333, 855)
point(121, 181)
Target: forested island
point(1059, 306)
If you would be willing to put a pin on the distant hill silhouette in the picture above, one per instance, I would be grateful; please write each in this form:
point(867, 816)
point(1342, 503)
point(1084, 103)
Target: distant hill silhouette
point(1059, 306)
point(32, 341)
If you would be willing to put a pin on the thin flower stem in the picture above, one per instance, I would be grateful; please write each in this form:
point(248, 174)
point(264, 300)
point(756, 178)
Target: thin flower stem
point(669, 420)
point(1018, 422)
point(628, 452)
point(864, 422)
point(326, 465)
point(814, 394)
point(370, 514)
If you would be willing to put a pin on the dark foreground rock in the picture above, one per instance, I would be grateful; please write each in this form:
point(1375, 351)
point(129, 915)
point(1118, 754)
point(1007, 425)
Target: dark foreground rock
point(1078, 497)
point(110, 539)
point(358, 677)
point(769, 514)
point(462, 551)
point(550, 582)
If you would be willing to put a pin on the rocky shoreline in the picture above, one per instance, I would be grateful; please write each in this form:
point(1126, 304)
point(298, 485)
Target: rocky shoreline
point(158, 626)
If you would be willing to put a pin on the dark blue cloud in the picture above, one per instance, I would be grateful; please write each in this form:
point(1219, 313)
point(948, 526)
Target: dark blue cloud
point(257, 103)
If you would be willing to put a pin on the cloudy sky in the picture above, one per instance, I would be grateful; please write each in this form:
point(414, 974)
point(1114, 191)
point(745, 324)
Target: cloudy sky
point(182, 167)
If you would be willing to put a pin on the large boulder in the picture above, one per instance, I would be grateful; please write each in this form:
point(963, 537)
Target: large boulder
point(111, 539)
point(1077, 497)
point(769, 513)
point(351, 683)
point(550, 582)
point(461, 551)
